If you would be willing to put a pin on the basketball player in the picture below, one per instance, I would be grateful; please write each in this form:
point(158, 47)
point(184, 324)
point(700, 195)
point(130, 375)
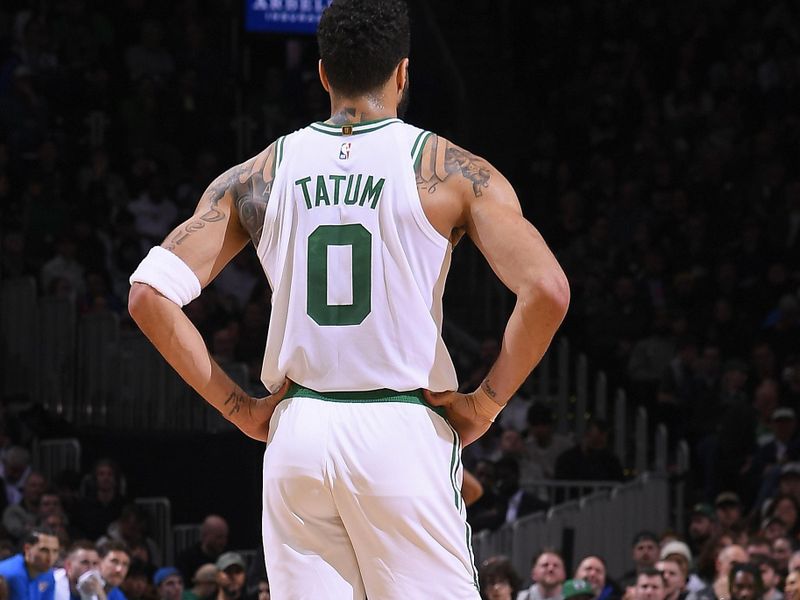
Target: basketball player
point(354, 220)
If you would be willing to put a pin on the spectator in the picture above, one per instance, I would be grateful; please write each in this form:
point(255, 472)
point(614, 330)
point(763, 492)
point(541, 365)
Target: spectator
point(212, 543)
point(593, 570)
point(645, 552)
point(19, 519)
point(16, 466)
point(745, 582)
point(29, 575)
point(137, 584)
point(728, 509)
point(102, 501)
point(727, 557)
point(547, 574)
point(498, 580)
point(81, 558)
point(769, 577)
point(591, 459)
point(131, 529)
point(650, 585)
point(115, 560)
point(168, 583)
point(230, 576)
point(791, 588)
point(674, 578)
point(518, 501)
point(577, 589)
point(702, 525)
point(692, 587)
point(782, 549)
point(205, 583)
point(542, 444)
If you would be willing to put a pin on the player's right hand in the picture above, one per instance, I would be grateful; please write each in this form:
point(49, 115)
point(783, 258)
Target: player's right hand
point(466, 419)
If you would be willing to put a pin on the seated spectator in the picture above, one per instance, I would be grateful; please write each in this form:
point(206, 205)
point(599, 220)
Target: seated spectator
point(769, 576)
point(81, 557)
point(577, 589)
point(702, 525)
point(547, 574)
point(168, 583)
point(102, 500)
point(498, 579)
point(518, 502)
point(591, 459)
point(787, 509)
point(650, 585)
point(29, 574)
point(745, 582)
point(204, 583)
point(19, 519)
point(674, 578)
point(727, 557)
point(131, 529)
point(782, 549)
point(14, 469)
point(137, 584)
point(593, 570)
point(644, 552)
point(212, 543)
point(728, 509)
point(230, 576)
point(692, 588)
point(791, 587)
point(115, 559)
point(542, 444)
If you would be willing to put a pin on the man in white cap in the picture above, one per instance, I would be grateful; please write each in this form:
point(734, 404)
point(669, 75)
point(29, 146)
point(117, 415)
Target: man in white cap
point(693, 588)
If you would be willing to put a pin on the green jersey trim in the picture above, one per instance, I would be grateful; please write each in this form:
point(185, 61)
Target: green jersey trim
point(367, 397)
point(353, 128)
point(418, 150)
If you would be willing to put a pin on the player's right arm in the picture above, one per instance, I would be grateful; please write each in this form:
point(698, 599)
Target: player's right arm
point(228, 215)
point(475, 199)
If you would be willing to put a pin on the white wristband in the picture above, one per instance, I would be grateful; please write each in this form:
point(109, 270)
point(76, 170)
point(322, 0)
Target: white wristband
point(169, 275)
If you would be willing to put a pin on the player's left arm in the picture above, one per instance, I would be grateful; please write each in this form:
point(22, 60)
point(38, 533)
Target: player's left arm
point(230, 212)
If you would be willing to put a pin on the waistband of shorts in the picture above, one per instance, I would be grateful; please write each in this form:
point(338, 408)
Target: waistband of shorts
point(366, 397)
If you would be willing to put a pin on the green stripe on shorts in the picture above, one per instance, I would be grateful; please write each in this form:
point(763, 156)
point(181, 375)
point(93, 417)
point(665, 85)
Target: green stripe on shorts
point(366, 397)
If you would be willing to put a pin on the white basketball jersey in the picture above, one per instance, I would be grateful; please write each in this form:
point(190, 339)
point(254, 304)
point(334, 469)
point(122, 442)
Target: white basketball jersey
point(357, 271)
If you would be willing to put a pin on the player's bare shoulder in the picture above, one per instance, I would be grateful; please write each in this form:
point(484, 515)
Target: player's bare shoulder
point(443, 162)
point(449, 179)
point(252, 191)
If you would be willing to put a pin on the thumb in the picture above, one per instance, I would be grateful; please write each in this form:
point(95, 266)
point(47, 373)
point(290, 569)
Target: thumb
point(438, 398)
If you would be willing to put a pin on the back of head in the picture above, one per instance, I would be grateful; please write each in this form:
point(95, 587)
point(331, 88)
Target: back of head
point(361, 42)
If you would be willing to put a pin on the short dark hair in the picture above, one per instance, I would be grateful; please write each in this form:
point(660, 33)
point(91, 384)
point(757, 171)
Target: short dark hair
point(644, 536)
point(33, 536)
point(112, 546)
point(361, 42)
point(754, 571)
point(651, 572)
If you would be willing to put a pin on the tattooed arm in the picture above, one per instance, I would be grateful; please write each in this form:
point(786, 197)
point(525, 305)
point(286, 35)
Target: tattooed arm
point(463, 193)
point(230, 212)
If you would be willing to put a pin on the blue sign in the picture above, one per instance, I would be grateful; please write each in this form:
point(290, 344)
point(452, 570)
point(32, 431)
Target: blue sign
point(284, 16)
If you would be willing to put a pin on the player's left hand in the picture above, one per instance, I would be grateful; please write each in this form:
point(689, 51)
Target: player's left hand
point(461, 413)
point(259, 412)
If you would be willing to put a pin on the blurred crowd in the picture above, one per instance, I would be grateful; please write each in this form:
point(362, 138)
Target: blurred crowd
point(656, 147)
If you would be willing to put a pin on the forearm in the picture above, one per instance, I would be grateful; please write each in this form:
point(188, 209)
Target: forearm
point(180, 343)
point(538, 312)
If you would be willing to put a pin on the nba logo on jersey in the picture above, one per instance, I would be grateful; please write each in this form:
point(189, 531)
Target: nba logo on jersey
point(344, 151)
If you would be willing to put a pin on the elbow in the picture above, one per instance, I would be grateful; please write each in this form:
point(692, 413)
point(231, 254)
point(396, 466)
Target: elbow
point(139, 300)
point(548, 294)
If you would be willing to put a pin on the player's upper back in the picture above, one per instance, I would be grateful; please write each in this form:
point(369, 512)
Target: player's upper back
point(357, 269)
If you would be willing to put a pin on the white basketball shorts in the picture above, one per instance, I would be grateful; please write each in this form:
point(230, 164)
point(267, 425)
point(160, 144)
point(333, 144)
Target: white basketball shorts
point(362, 498)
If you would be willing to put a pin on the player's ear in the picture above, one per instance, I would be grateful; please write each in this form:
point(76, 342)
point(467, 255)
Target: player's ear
point(323, 77)
point(401, 75)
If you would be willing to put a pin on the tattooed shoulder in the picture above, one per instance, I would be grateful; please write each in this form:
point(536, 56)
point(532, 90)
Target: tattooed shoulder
point(252, 192)
point(442, 159)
